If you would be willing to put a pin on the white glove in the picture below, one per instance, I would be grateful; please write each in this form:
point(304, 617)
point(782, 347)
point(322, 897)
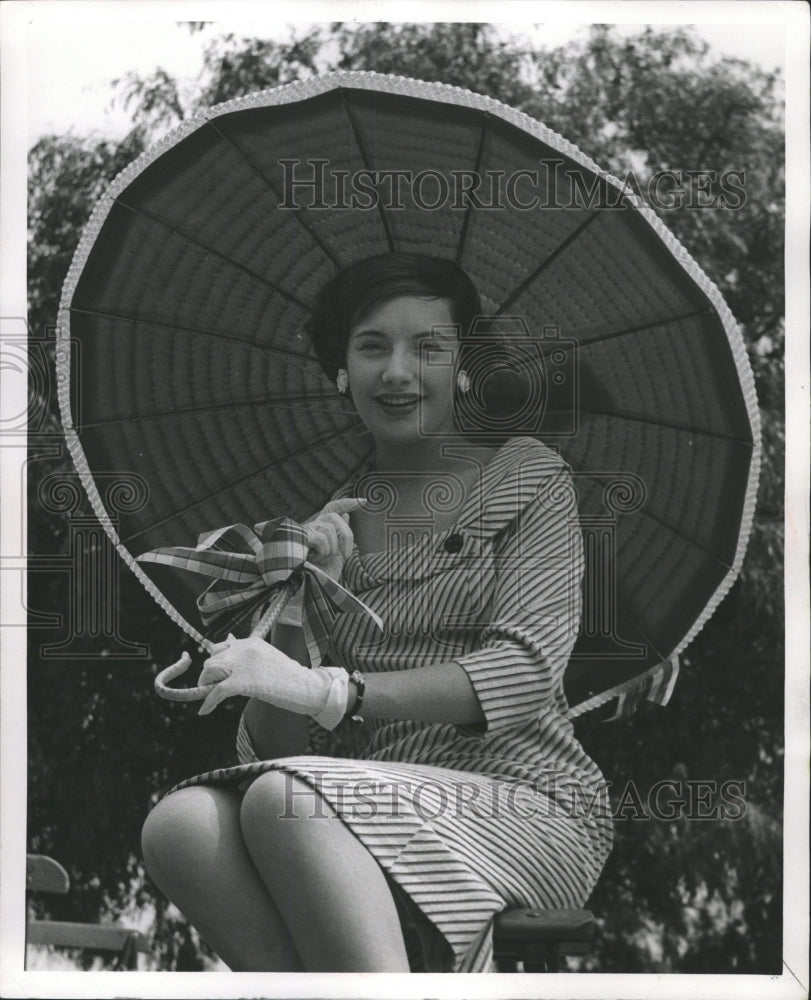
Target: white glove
point(330, 537)
point(255, 669)
point(331, 541)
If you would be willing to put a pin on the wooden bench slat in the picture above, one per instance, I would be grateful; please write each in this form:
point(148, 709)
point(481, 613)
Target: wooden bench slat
point(528, 925)
point(43, 874)
point(98, 937)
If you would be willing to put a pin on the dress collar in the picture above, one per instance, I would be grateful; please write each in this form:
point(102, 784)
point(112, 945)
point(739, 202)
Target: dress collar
point(505, 486)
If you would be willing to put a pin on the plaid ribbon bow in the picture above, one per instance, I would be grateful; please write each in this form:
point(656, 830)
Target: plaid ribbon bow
point(246, 563)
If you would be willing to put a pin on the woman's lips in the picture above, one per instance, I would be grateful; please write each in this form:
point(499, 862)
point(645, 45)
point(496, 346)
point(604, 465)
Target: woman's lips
point(405, 403)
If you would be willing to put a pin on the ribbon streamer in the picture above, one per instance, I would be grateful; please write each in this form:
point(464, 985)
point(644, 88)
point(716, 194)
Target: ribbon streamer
point(656, 686)
point(246, 564)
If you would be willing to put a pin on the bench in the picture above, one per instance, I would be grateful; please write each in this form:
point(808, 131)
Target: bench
point(538, 939)
point(43, 874)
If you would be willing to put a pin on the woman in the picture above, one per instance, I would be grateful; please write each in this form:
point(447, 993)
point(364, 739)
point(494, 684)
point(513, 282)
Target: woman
point(468, 796)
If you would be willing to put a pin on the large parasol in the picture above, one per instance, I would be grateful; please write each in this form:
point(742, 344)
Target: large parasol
point(189, 289)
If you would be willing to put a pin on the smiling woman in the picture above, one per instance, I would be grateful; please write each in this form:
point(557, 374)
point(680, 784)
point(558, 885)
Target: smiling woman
point(400, 367)
point(391, 331)
point(398, 325)
point(456, 804)
point(442, 573)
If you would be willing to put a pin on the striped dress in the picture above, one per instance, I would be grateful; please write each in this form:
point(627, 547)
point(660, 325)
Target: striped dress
point(464, 820)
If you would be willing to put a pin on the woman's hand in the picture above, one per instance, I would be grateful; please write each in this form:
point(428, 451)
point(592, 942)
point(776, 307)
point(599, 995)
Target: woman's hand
point(255, 669)
point(330, 537)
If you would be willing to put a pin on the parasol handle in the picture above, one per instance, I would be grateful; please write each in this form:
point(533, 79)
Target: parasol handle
point(281, 595)
point(179, 694)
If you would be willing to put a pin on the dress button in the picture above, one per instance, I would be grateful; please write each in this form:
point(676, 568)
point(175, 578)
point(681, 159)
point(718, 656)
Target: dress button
point(454, 543)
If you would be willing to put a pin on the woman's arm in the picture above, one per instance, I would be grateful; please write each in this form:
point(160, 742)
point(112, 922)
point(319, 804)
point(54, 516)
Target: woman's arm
point(518, 668)
point(441, 692)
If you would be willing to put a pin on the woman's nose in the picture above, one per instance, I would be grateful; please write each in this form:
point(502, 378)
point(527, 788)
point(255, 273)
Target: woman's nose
point(399, 368)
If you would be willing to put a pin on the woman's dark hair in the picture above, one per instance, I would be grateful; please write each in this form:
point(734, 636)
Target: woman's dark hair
point(361, 286)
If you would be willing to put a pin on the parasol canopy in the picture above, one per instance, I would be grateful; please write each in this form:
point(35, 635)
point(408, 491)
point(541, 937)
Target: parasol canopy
point(184, 309)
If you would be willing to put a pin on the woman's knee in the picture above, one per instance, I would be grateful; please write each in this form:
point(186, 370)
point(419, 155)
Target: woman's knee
point(274, 801)
point(185, 829)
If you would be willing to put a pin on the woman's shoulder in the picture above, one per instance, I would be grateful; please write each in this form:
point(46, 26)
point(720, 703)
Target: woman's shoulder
point(525, 456)
point(515, 476)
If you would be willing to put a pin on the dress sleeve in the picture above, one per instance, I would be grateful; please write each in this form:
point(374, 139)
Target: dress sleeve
point(538, 566)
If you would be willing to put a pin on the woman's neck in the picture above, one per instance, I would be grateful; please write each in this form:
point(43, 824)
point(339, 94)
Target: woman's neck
point(423, 456)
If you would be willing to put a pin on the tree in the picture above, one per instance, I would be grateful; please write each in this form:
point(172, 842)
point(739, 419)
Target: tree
point(675, 895)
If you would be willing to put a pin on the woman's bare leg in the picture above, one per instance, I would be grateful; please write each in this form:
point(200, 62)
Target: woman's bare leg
point(332, 894)
point(194, 852)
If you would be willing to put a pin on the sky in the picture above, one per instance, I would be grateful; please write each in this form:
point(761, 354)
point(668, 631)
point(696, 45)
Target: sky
point(76, 49)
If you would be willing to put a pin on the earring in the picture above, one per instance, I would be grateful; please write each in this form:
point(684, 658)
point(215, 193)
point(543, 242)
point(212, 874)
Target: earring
point(342, 381)
point(462, 381)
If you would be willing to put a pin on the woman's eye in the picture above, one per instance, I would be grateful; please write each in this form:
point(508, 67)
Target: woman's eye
point(370, 347)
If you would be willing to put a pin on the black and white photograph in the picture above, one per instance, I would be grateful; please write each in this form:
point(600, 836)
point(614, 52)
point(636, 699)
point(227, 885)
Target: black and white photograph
point(405, 472)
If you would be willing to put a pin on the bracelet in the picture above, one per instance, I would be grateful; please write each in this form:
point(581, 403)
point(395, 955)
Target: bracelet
point(359, 681)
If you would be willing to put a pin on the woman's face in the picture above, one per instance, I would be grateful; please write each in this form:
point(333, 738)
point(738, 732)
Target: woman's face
point(401, 369)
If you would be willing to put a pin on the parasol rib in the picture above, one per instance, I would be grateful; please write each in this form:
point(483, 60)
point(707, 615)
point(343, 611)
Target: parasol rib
point(367, 164)
point(522, 287)
point(297, 212)
point(601, 338)
point(460, 250)
point(269, 401)
point(216, 253)
point(312, 446)
point(227, 337)
point(668, 425)
point(625, 603)
point(694, 542)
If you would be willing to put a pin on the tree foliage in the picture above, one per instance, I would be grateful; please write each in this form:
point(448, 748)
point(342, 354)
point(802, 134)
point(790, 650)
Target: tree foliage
point(675, 895)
